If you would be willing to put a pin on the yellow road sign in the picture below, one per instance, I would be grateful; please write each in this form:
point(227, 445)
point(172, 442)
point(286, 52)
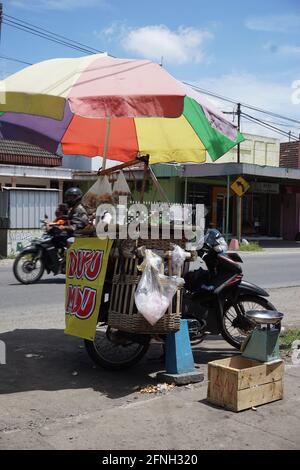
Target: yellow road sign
point(240, 186)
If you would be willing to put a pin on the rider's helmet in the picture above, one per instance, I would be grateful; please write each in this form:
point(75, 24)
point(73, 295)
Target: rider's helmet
point(215, 240)
point(73, 196)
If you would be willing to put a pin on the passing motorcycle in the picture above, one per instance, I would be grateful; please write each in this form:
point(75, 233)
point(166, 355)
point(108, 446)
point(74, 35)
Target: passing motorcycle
point(215, 301)
point(46, 253)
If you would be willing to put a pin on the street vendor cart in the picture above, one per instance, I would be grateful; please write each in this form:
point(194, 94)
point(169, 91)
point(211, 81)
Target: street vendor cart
point(119, 109)
point(103, 278)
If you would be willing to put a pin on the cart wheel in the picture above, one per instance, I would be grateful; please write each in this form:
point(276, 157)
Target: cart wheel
point(113, 355)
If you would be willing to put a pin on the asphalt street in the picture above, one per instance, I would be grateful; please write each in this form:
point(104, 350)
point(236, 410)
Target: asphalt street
point(269, 270)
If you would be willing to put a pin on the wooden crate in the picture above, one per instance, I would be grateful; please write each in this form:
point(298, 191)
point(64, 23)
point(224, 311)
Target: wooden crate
point(237, 383)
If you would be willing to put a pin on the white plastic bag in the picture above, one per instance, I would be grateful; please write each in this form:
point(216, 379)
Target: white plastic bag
point(100, 192)
point(178, 258)
point(155, 291)
point(151, 259)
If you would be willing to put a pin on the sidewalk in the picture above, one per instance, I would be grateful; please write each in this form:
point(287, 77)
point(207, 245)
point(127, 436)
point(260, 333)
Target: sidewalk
point(96, 409)
point(287, 301)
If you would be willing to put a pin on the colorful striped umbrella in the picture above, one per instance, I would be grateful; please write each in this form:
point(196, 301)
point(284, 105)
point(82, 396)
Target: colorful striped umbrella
point(96, 86)
point(66, 101)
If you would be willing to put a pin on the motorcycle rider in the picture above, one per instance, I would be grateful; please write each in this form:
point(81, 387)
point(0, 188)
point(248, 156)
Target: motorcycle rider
point(77, 217)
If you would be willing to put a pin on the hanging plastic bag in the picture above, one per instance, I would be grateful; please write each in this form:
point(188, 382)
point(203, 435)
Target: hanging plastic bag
point(121, 187)
point(178, 258)
point(155, 291)
point(151, 259)
point(99, 193)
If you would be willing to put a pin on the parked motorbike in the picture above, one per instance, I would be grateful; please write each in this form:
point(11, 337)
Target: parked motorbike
point(46, 253)
point(215, 301)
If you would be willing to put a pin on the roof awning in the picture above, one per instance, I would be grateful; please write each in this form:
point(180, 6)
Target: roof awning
point(206, 170)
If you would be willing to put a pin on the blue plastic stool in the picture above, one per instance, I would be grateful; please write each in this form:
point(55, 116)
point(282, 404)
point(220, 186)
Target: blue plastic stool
point(180, 367)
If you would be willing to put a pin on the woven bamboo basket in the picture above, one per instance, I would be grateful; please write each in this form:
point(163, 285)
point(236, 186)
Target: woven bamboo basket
point(123, 314)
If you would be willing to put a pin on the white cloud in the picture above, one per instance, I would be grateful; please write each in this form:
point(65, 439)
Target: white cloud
point(262, 93)
point(275, 23)
point(182, 46)
point(53, 4)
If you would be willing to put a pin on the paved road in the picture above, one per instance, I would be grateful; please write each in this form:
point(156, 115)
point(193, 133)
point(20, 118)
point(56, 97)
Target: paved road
point(22, 304)
point(269, 270)
point(272, 270)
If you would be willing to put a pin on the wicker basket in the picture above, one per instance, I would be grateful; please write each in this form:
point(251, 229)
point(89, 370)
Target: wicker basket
point(123, 313)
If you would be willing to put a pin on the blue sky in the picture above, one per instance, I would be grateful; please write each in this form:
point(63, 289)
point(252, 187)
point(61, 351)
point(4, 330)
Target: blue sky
point(249, 51)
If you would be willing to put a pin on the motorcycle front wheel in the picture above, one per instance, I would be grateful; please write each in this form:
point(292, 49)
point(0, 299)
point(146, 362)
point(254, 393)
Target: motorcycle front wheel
point(236, 326)
point(28, 268)
point(113, 354)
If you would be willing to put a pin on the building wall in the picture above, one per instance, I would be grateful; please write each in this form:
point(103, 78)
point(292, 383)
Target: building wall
point(13, 181)
point(77, 162)
point(171, 186)
point(255, 149)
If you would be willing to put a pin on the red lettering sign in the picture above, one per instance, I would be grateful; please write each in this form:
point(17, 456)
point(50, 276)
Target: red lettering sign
point(81, 302)
point(85, 264)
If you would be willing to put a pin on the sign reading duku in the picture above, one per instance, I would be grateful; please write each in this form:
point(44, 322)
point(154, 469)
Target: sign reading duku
point(85, 275)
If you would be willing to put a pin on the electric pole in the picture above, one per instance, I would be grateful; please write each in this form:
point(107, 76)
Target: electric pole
point(1, 17)
point(238, 198)
point(239, 128)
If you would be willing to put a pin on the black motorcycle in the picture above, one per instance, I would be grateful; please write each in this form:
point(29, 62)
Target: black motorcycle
point(46, 253)
point(215, 301)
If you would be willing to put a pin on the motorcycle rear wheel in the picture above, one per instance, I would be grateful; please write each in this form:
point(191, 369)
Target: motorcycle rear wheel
point(28, 268)
point(235, 331)
point(111, 355)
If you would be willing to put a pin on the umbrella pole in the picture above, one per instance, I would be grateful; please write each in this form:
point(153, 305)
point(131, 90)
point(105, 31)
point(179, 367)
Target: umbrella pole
point(146, 169)
point(106, 141)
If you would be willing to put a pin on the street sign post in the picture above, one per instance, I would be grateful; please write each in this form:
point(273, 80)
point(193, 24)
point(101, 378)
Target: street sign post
point(240, 186)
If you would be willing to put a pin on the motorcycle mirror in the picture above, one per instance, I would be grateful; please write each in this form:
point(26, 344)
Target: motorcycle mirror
point(46, 216)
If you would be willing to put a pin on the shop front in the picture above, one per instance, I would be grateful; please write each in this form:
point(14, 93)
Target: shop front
point(269, 208)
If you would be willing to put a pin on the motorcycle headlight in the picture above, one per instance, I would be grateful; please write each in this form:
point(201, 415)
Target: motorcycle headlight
point(221, 245)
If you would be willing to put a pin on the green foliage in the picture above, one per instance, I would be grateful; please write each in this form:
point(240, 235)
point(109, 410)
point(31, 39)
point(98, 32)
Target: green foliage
point(287, 338)
point(253, 246)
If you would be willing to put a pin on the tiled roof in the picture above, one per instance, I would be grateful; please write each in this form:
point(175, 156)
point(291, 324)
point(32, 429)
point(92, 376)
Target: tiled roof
point(21, 153)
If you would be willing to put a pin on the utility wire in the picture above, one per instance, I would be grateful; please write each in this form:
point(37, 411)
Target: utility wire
point(54, 34)
point(282, 124)
point(245, 105)
point(44, 36)
point(267, 126)
point(15, 60)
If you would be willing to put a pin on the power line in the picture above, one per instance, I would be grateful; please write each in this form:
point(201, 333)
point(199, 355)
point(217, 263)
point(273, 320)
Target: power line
point(269, 127)
point(15, 60)
point(26, 29)
point(282, 124)
point(245, 105)
point(55, 34)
